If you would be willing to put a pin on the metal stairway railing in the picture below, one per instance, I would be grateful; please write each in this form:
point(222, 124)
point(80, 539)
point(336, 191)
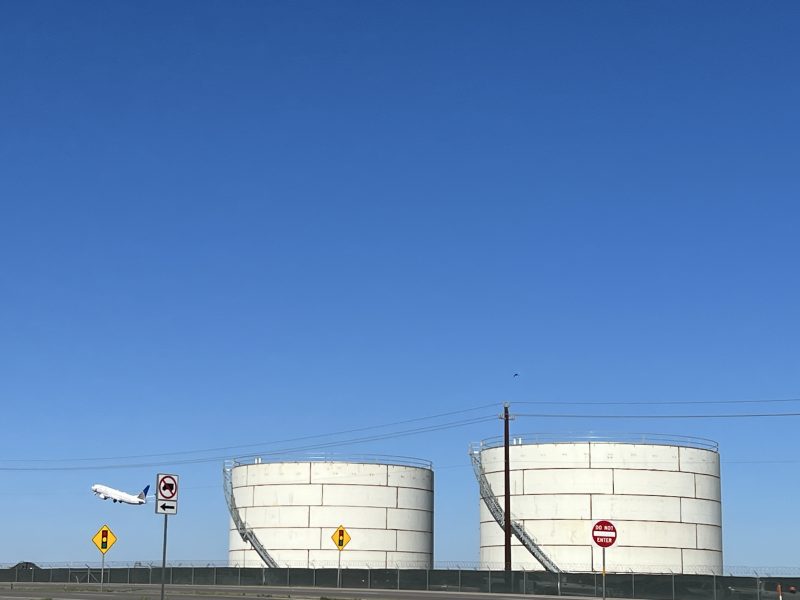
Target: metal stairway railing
point(488, 497)
point(248, 535)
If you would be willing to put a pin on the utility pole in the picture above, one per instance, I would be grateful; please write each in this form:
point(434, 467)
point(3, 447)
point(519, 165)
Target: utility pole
point(507, 510)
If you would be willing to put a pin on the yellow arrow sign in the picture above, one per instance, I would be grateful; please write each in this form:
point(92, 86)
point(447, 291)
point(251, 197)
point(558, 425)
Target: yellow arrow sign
point(104, 539)
point(340, 537)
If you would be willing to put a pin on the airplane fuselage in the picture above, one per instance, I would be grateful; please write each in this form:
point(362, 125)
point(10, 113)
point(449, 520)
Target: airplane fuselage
point(108, 493)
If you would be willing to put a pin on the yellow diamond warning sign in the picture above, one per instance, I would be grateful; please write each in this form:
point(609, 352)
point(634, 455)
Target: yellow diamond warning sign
point(104, 539)
point(340, 537)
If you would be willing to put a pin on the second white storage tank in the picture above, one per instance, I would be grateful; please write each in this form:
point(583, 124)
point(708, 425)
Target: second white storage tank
point(661, 492)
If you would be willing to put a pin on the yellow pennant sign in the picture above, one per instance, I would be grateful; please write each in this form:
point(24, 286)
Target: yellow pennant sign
point(104, 539)
point(340, 537)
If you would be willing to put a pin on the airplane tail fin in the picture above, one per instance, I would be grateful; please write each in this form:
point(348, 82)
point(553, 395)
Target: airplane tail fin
point(143, 494)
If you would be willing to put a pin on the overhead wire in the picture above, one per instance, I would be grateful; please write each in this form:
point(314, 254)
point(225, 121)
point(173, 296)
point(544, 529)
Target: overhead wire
point(259, 448)
point(607, 416)
point(278, 452)
point(257, 444)
point(656, 403)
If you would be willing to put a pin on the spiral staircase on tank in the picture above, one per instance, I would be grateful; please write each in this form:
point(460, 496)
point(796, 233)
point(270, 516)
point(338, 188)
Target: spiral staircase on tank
point(248, 535)
point(489, 498)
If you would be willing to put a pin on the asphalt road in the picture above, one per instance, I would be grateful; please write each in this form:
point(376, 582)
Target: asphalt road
point(61, 591)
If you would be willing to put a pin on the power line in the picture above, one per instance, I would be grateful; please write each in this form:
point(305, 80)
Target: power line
point(255, 444)
point(385, 436)
point(296, 449)
point(718, 416)
point(657, 403)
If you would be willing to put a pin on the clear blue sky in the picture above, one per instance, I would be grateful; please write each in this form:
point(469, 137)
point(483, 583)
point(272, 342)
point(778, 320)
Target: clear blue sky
point(229, 223)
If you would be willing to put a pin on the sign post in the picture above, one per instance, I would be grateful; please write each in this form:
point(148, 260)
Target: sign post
point(341, 538)
point(604, 535)
point(103, 539)
point(166, 504)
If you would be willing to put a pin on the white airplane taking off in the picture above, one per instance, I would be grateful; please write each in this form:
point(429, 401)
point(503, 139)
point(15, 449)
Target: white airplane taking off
point(104, 493)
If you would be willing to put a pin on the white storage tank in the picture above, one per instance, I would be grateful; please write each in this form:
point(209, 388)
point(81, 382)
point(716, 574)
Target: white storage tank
point(293, 507)
point(661, 492)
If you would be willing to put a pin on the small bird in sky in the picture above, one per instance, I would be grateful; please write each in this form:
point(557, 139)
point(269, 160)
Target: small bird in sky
point(516, 374)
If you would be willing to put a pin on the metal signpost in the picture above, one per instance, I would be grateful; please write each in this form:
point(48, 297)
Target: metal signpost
point(341, 538)
point(103, 539)
point(604, 535)
point(166, 504)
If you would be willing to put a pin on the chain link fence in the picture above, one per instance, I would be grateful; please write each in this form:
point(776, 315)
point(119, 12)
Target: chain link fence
point(618, 585)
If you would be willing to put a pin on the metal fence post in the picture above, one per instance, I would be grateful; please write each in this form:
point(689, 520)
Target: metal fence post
point(758, 587)
point(673, 585)
point(428, 580)
point(559, 582)
point(633, 585)
point(714, 579)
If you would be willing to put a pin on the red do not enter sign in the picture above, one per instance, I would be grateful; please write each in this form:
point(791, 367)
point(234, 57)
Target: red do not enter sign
point(604, 534)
